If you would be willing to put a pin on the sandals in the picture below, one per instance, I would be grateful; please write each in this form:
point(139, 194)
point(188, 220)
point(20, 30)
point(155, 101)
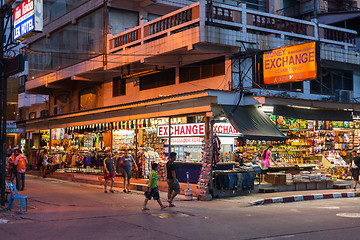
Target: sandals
point(145, 209)
point(171, 204)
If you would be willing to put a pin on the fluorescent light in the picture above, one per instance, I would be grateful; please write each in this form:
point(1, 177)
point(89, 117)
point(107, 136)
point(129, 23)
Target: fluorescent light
point(267, 108)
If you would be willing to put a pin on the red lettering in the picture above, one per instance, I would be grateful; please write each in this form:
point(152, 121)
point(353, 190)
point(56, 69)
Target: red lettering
point(160, 131)
point(201, 129)
point(182, 130)
point(171, 130)
point(194, 129)
point(166, 131)
point(226, 128)
point(188, 129)
point(220, 129)
point(176, 130)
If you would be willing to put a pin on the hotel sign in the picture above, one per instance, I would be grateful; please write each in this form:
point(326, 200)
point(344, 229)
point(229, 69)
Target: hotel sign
point(27, 19)
point(291, 64)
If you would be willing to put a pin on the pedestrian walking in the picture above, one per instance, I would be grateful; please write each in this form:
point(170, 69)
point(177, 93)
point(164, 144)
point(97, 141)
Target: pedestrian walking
point(173, 183)
point(354, 167)
point(20, 164)
point(127, 161)
point(153, 191)
point(109, 173)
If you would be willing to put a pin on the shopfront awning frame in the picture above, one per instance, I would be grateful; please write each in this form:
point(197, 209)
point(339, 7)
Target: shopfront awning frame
point(253, 123)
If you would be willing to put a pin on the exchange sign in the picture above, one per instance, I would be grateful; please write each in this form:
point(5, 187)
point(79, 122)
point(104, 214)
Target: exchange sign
point(291, 64)
point(27, 19)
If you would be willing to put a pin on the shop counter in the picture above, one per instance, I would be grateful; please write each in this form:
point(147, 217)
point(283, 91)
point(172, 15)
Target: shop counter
point(291, 169)
point(194, 170)
point(232, 182)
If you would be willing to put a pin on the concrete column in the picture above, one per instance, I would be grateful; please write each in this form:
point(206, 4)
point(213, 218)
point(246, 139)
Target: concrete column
point(356, 90)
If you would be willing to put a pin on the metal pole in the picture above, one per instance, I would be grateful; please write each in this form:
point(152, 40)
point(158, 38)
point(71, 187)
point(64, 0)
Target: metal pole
point(3, 97)
point(169, 136)
point(212, 153)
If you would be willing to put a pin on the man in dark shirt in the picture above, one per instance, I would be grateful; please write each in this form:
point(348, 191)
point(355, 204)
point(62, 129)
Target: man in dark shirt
point(354, 167)
point(109, 173)
point(174, 187)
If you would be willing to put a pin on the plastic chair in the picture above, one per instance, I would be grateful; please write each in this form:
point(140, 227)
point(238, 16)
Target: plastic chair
point(16, 196)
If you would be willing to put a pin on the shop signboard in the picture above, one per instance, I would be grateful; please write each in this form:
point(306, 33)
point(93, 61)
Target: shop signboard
point(226, 129)
point(182, 130)
point(196, 129)
point(27, 19)
point(15, 130)
point(186, 141)
point(291, 64)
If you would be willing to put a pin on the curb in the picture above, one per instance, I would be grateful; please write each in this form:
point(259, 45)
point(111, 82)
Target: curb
point(298, 198)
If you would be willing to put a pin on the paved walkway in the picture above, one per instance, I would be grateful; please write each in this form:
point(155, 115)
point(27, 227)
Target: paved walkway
point(252, 198)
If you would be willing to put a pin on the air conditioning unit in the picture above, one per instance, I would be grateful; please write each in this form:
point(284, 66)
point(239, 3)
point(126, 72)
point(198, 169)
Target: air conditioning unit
point(344, 96)
point(58, 109)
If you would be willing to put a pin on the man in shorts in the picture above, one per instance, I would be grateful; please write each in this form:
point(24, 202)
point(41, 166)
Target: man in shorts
point(354, 167)
point(109, 173)
point(127, 162)
point(174, 187)
point(153, 191)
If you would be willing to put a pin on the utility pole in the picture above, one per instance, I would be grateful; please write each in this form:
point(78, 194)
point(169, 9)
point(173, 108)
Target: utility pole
point(2, 106)
point(5, 44)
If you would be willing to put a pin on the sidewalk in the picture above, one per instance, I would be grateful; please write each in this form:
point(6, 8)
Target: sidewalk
point(253, 198)
point(135, 184)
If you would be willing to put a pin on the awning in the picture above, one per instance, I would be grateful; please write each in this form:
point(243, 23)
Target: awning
point(253, 123)
point(312, 114)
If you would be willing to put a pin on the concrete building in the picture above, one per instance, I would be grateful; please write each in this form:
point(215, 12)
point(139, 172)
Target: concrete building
point(103, 62)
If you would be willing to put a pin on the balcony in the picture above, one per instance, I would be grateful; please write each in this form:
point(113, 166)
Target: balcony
point(202, 24)
point(202, 31)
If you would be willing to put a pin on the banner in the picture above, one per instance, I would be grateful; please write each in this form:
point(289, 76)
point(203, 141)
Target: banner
point(290, 64)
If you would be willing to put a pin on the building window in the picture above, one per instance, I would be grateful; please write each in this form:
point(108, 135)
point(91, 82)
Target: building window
point(331, 80)
point(61, 99)
point(88, 99)
point(32, 115)
point(22, 81)
point(160, 79)
point(119, 86)
point(200, 70)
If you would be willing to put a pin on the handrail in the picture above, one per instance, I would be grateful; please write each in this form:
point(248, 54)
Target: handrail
point(230, 16)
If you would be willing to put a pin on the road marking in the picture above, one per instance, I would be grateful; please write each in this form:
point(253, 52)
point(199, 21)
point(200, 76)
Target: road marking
point(278, 237)
point(329, 207)
point(349, 215)
point(4, 221)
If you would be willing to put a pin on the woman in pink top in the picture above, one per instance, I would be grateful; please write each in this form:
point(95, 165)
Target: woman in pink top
point(265, 161)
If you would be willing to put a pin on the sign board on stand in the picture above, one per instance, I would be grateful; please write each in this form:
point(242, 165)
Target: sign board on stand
point(27, 19)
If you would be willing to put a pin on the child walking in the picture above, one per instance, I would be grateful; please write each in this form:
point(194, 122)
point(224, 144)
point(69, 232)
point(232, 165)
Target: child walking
point(152, 188)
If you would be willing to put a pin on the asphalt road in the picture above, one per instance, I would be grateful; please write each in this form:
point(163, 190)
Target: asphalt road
point(68, 210)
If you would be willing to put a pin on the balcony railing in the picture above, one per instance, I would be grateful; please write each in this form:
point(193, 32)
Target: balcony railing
point(231, 17)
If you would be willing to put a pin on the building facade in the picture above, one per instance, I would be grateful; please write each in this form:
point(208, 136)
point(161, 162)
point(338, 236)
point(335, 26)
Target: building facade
point(125, 65)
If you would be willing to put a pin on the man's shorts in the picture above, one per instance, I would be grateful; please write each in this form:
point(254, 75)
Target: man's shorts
point(126, 173)
point(355, 173)
point(173, 186)
point(154, 193)
point(108, 176)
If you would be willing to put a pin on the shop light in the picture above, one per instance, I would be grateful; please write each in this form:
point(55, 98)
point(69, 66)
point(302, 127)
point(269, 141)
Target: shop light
point(267, 108)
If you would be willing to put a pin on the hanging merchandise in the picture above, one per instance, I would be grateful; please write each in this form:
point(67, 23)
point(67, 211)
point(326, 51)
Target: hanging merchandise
point(205, 174)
